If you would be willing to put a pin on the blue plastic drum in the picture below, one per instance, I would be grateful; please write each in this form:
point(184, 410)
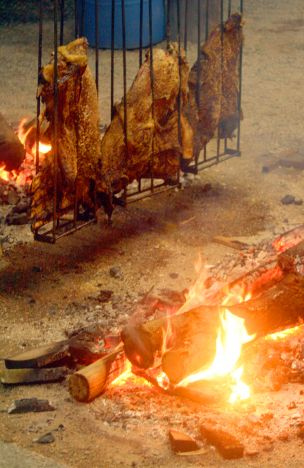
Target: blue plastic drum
point(86, 9)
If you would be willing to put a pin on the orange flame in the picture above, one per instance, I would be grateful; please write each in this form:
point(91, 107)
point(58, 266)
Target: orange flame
point(285, 333)
point(128, 376)
point(231, 337)
point(22, 133)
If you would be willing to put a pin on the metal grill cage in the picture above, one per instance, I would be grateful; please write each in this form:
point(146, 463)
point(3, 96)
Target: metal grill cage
point(188, 22)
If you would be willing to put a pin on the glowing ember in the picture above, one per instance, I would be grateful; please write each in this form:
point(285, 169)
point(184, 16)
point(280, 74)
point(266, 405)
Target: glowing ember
point(128, 377)
point(285, 333)
point(26, 134)
point(163, 380)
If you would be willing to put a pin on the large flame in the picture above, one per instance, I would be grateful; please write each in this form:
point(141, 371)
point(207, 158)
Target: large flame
point(24, 174)
point(231, 337)
point(23, 132)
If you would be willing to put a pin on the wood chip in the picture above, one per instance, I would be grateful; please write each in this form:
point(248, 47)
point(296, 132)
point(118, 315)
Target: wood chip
point(227, 445)
point(181, 442)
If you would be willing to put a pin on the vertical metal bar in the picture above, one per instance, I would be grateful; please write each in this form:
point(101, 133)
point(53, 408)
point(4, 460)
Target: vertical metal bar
point(152, 92)
point(61, 22)
point(240, 89)
point(55, 118)
point(112, 56)
point(76, 12)
point(82, 17)
point(97, 43)
point(123, 17)
point(229, 8)
point(168, 24)
point(38, 96)
point(207, 20)
point(186, 25)
point(198, 76)
point(141, 19)
point(218, 146)
point(180, 81)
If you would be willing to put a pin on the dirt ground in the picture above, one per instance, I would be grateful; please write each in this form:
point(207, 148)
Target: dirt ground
point(46, 290)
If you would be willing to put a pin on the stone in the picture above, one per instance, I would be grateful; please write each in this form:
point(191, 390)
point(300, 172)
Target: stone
point(173, 275)
point(116, 272)
point(29, 405)
point(12, 197)
point(288, 200)
point(17, 219)
point(46, 439)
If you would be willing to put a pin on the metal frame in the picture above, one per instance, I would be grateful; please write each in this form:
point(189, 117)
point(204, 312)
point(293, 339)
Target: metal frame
point(63, 225)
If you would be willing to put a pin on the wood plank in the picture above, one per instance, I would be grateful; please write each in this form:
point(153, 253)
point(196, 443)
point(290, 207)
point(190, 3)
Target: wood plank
point(25, 376)
point(38, 357)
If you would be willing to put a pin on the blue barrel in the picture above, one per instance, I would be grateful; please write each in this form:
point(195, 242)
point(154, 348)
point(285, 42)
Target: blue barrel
point(86, 16)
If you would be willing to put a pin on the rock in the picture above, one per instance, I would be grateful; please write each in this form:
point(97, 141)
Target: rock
point(298, 201)
point(251, 453)
point(30, 405)
point(116, 272)
point(181, 442)
point(12, 197)
point(173, 275)
point(288, 200)
point(46, 439)
point(292, 405)
point(104, 295)
point(37, 269)
point(17, 219)
point(283, 436)
point(22, 206)
point(300, 432)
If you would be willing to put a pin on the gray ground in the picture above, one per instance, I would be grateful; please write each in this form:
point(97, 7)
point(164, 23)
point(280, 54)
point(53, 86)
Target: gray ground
point(149, 241)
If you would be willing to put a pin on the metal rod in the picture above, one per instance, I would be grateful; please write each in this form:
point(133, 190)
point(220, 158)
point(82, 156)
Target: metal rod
point(218, 146)
point(152, 92)
point(76, 10)
point(40, 35)
point(97, 43)
point(168, 24)
point(112, 56)
point(123, 17)
point(240, 88)
point(82, 17)
point(198, 76)
point(186, 25)
point(141, 19)
point(179, 98)
point(55, 118)
point(229, 7)
point(207, 20)
point(61, 21)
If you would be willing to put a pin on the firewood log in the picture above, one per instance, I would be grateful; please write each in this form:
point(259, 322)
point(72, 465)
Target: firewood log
point(194, 332)
point(12, 152)
point(91, 381)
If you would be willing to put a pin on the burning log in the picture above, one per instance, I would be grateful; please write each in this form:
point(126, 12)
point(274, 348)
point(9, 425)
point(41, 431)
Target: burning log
point(12, 152)
point(191, 343)
point(78, 143)
point(91, 381)
point(214, 103)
